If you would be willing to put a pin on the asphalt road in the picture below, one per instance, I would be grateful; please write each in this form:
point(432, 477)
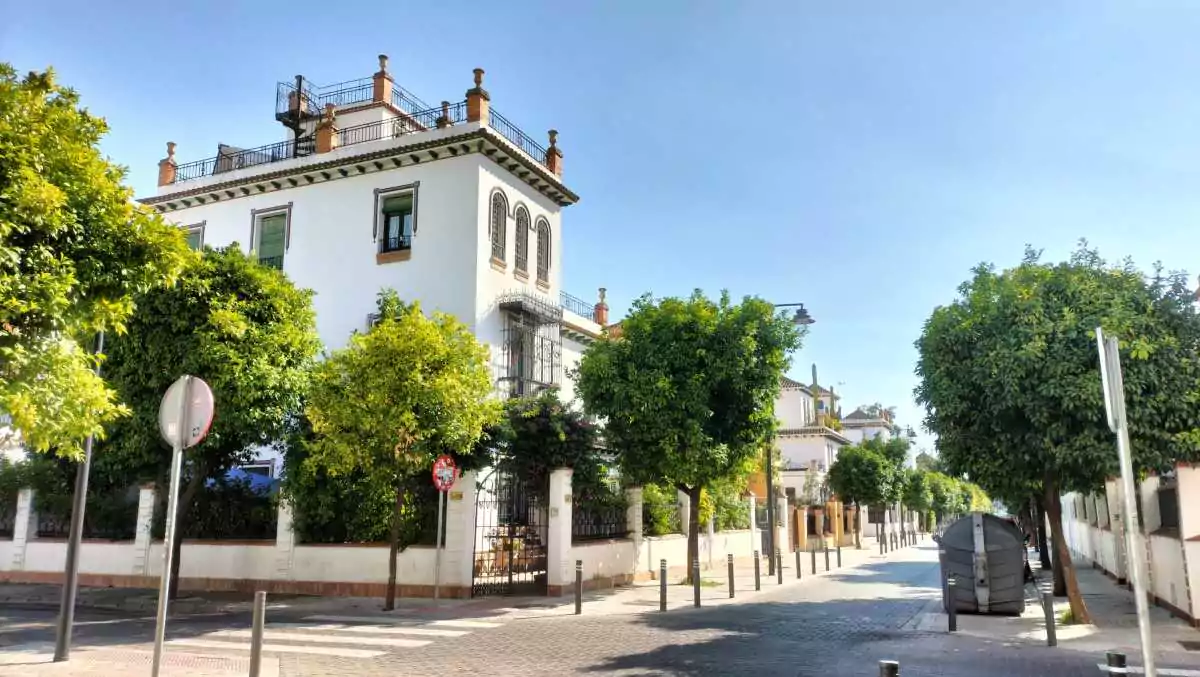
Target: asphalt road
point(844, 625)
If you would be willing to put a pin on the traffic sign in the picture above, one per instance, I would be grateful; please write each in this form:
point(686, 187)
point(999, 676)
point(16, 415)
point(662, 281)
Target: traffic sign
point(444, 472)
point(199, 414)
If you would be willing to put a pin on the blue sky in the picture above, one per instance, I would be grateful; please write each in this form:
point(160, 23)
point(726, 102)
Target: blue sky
point(857, 156)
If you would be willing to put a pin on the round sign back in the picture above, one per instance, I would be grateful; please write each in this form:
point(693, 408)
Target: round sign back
point(200, 407)
point(444, 472)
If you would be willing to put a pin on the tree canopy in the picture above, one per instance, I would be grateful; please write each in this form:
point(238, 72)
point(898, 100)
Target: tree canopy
point(74, 250)
point(396, 397)
point(687, 392)
point(243, 328)
point(1011, 384)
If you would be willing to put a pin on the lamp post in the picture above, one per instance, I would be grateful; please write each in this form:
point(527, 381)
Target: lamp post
point(800, 318)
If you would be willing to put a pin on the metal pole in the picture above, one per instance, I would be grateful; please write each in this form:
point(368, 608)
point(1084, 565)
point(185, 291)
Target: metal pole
point(256, 632)
point(662, 585)
point(66, 610)
point(839, 555)
point(729, 559)
point(437, 547)
point(696, 582)
point(1116, 659)
point(770, 506)
point(1048, 608)
point(578, 587)
point(778, 567)
point(164, 581)
point(757, 568)
point(813, 559)
point(826, 544)
point(951, 606)
point(889, 669)
point(799, 569)
point(1114, 401)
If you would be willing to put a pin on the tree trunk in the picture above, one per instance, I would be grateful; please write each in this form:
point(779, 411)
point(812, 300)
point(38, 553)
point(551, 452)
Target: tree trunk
point(1054, 512)
point(394, 548)
point(693, 548)
point(857, 525)
point(1039, 523)
point(199, 474)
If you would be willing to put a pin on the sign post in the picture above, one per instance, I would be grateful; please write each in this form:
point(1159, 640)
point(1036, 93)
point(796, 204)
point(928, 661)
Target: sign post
point(1113, 385)
point(184, 418)
point(444, 474)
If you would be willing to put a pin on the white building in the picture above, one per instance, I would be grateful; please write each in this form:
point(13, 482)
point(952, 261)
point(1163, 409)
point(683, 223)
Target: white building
point(371, 188)
point(861, 425)
point(10, 440)
point(807, 445)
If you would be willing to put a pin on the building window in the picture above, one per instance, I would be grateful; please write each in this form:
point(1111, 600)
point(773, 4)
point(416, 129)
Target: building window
point(270, 234)
point(396, 214)
point(195, 236)
point(543, 251)
point(522, 245)
point(498, 223)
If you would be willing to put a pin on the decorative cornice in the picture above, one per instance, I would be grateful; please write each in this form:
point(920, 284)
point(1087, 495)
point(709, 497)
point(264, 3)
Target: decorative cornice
point(813, 431)
point(481, 140)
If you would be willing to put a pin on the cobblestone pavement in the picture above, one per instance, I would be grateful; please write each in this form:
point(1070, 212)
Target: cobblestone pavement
point(841, 624)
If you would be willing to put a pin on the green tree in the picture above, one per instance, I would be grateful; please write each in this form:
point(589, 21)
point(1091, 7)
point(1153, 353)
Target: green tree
point(862, 476)
point(1011, 383)
point(917, 494)
point(396, 397)
point(74, 250)
point(927, 461)
point(243, 328)
point(687, 392)
point(947, 497)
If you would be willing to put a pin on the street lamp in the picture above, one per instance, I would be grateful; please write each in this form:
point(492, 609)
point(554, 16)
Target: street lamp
point(800, 318)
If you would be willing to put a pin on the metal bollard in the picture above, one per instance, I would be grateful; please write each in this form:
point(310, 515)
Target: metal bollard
point(951, 606)
point(1115, 659)
point(696, 582)
point(1048, 607)
point(839, 555)
point(799, 569)
point(662, 585)
point(578, 587)
point(778, 566)
point(812, 557)
point(889, 669)
point(256, 632)
point(757, 572)
point(827, 557)
point(729, 559)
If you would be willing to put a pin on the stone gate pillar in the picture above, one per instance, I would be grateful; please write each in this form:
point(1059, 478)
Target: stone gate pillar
point(560, 568)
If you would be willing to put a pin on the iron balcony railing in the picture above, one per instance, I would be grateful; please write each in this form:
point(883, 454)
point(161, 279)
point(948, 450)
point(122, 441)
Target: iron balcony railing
point(275, 262)
point(395, 244)
point(314, 98)
point(514, 134)
point(284, 150)
point(576, 305)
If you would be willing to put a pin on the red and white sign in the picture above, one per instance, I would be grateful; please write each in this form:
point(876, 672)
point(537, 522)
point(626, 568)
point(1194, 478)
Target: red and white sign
point(444, 472)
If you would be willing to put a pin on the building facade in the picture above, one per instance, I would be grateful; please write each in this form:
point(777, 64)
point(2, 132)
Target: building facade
point(453, 206)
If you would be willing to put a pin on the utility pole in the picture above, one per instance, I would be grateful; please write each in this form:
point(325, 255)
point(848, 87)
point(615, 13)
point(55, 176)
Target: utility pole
point(800, 318)
point(66, 610)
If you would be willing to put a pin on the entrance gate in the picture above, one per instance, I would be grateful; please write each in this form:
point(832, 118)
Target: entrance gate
point(510, 536)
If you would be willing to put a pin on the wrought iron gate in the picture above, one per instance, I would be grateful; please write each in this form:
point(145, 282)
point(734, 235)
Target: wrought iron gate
point(510, 536)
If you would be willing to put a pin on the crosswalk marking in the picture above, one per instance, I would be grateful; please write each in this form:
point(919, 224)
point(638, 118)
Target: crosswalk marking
point(271, 635)
point(466, 624)
point(370, 629)
point(17, 627)
point(278, 648)
point(375, 620)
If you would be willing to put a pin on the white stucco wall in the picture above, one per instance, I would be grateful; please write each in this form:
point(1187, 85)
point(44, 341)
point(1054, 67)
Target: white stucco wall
point(365, 564)
point(605, 558)
point(793, 408)
point(803, 450)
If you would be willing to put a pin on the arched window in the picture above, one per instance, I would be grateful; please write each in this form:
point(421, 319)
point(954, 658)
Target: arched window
point(522, 246)
point(543, 251)
point(498, 224)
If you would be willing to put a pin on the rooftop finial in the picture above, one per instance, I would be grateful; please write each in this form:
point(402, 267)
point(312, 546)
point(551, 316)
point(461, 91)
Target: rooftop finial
point(478, 77)
point(383, 59)
point(553, 133)
point(170, 150)
point(603, 294)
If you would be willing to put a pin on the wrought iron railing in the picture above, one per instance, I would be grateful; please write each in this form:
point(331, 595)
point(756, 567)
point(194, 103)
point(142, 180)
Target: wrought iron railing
point(275, 262)
point(576, 305)
point(395, 244)
point(514, 134)
point(597, 515)
point(407, 101)
point(418, 121)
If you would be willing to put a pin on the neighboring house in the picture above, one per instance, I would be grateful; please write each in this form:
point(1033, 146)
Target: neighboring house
point(861, 425)
point(807, 443)
point(10, 440)
point(451, 205)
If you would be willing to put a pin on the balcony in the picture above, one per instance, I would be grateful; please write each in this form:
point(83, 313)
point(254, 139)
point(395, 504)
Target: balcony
point(576, 305)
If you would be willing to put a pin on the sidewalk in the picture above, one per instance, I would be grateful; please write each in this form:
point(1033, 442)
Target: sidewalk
point(1114, 622)
point(635, 598)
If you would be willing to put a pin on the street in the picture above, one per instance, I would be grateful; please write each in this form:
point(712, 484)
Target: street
point(842, 624)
